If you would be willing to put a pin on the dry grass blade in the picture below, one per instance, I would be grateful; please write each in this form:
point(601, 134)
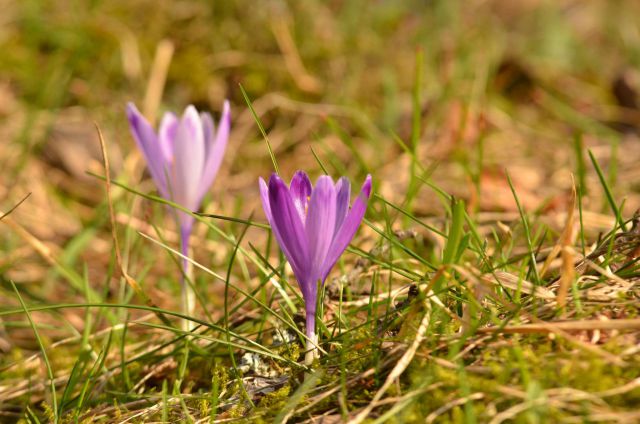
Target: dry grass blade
point(48, 254)
point(614, 417)
point(105, 157)
point(293, 62)
point(457, 402)
point(619, 390)
point(514, 282)
point(157, 79)
point(515, 410)
point(43, 250)
point(607, 273)
point(114, 236)
point(568, 271)
point(565, 240)
point(7, 213)
point(582, 325)
point(611, 358)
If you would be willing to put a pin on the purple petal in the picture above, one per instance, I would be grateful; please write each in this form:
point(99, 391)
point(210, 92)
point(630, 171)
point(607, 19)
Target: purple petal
point(167, 135)
point(208, 128)
point(147, 142)
point(300, 189)
point(289, 231)
point(320, 223)
point(343, 190)
point(348, 228)
point(214, 147)
point(188, 160)
point(264, 196)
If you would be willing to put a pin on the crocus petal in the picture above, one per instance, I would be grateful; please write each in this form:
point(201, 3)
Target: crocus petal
point(167, 135)
point(264, 196)
point(343, 194)
point(348, 228)
point(147, 141)
point(321, 220)
point(208, 129)
point(300, 189)
point(289, 230)
point(188, 160)
point(214, 147)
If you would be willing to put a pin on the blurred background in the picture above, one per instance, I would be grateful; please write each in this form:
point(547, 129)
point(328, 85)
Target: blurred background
point(472, 89)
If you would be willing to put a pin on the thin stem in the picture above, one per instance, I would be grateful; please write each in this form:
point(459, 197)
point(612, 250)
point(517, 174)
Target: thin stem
point(312, 340)
point(188, 295)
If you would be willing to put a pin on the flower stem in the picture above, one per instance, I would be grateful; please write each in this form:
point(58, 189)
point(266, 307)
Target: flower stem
point(312, 340)
point(188, 295)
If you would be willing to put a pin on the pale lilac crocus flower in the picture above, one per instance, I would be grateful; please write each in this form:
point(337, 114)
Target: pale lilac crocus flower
point(313, 227)
point(183, 158)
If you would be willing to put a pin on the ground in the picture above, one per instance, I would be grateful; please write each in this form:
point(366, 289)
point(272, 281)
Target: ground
point(493, 280)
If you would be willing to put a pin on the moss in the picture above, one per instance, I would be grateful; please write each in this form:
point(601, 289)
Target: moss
point(48, 411)
point(117, 412)
point(271, 404)
point(547, 364)
point(204, 407)
point(219, 377)
point(238, 410)
point(277, 398)
point(290, 352)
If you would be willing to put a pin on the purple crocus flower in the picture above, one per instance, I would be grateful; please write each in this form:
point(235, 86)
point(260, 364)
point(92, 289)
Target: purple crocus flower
point(183, 158)
point(313, 227)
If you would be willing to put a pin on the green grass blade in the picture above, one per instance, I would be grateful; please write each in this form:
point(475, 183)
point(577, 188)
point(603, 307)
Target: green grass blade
point(264, 133)
point(45, 357)
point(455, 232)
point(607, 192)
point(527, 232)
